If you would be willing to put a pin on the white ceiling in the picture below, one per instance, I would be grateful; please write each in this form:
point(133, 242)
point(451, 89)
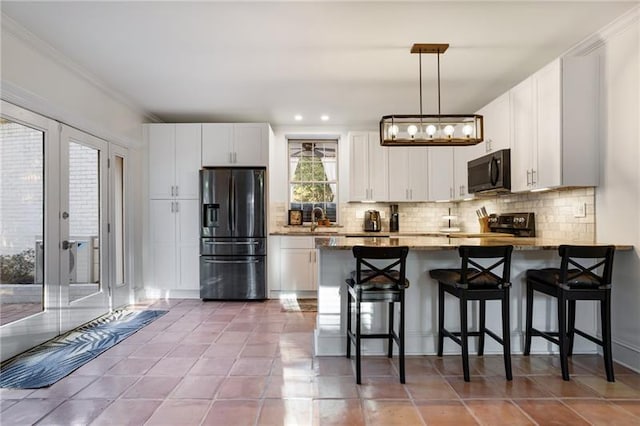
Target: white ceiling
point(267, 61)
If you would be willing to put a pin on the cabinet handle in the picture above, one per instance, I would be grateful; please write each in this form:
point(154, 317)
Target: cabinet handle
point(172, 207)
point(177, 187)
point(230, 157)
point(487, 146)
point(172, 190)
point(309, 257)
point(411, 193)
point(528, 179)
point(533, 177)
point(177, 206)
point(235, 157)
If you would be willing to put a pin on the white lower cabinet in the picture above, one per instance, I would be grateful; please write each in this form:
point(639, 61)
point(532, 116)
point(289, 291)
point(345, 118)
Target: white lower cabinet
point(174, 240)
point(298, 264)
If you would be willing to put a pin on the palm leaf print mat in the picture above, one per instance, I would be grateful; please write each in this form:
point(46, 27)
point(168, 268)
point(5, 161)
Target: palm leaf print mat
point(51, 361)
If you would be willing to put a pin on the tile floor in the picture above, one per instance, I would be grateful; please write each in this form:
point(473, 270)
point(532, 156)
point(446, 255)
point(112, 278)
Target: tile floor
point(240, 363)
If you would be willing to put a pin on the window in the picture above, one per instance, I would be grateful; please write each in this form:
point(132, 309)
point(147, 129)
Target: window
point(313, 177)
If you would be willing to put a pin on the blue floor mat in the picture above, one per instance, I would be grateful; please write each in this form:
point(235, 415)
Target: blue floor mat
point(51, 361)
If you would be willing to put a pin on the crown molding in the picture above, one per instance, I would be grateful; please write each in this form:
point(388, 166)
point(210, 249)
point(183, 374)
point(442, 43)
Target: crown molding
point(600, 37)
point(12, 27)
point(39, 105)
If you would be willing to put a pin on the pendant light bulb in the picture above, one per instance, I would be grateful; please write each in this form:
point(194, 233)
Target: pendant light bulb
point(448, 130)
point(467, 130)
point(412, 130)
point(431, 130)
point(393, 131)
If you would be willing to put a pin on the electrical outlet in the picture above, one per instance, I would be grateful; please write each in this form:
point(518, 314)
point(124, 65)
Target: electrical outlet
point(580, 210)
point(382, 214)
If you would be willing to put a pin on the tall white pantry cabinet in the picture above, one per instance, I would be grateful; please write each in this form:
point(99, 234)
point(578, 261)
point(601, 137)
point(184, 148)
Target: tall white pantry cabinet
point(174, 162)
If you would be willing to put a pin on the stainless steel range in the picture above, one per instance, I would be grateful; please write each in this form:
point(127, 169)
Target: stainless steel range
point(518, 224)
point(233, 243)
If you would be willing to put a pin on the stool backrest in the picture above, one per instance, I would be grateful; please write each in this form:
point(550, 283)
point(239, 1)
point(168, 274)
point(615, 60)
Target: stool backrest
point(602, 256)
point(501, 253)
point(394, 256)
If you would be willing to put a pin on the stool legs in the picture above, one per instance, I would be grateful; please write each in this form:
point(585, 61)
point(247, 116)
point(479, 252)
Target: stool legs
point(463, 336)
point(440, 319)
point(529, 323)
point(482, 326)
point(358, 344)
point(401, 338)
point(348, 325)
point(562, 335)
point(390, 348)
point(605, 315)
point(571, 326)
point(506, 334)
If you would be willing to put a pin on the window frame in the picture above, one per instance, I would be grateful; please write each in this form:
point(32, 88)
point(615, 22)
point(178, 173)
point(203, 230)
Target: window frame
point(315, 140)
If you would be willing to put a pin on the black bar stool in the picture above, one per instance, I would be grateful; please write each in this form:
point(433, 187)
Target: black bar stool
point(371, 282)
point(476, 282)
point(568, 286)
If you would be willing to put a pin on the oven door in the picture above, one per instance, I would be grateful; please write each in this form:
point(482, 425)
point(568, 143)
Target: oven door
point(233, 277)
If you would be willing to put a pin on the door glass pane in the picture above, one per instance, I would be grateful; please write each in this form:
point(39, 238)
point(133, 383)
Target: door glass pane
point(119, 219)
point(84, 221)
point(21, 221)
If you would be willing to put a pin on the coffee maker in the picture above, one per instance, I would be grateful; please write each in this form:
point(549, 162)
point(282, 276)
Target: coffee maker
point(394, 220)
point(372, 221)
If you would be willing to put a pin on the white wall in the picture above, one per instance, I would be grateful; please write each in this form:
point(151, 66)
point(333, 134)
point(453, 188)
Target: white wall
point(618, 195)
point(36, 77)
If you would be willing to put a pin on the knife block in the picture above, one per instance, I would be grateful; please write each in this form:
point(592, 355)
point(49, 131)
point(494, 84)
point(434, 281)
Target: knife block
point(484, 224)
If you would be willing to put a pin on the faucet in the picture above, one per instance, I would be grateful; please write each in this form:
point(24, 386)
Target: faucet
point(314, 222)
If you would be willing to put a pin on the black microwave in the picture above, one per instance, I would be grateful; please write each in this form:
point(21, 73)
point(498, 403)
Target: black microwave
point(490, 173)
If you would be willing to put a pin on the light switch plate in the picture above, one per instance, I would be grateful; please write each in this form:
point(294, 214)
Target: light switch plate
point(580, 210)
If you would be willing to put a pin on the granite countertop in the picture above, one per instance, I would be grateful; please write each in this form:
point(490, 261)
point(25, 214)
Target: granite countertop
point(441, 242)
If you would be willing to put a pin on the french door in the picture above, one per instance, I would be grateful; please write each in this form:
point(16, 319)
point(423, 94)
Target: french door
point(83, 227)
point(57, 253)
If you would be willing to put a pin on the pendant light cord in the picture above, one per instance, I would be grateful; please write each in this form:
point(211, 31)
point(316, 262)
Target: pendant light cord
point(438, 82)
point(420, 69)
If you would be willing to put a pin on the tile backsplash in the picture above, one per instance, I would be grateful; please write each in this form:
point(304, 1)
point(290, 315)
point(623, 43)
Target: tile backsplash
point(555, 213)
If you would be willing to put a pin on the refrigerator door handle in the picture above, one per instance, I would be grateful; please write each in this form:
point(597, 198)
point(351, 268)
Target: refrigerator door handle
point(233, 204)
point(232, 261)
point(230, 204)
point(215, 243)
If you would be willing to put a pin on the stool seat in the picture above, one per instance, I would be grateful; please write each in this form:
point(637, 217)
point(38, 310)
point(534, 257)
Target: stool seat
point(373, 280)
point(474, 278)
point(553, 277)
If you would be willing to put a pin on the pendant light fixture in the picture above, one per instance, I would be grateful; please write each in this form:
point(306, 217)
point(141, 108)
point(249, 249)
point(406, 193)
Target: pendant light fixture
point(431, 130)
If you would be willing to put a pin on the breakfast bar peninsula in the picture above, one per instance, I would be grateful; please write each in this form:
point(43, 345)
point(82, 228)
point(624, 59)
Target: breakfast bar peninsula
point(336, 261)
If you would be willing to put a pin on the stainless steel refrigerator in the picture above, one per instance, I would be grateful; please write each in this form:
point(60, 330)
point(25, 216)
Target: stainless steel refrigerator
point(233, 240)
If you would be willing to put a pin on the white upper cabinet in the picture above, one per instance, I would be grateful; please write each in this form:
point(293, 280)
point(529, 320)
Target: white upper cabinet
point(408, 173)
point(441, 173)
point(174, 160)
point(522, 126)
point(497, 124)
point(368, 167)
point(555, 126)
point(461, 156)
point(237, 144)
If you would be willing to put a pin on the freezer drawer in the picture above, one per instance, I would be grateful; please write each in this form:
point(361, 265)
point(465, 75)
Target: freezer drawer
point(233, 247)
point(233, 277)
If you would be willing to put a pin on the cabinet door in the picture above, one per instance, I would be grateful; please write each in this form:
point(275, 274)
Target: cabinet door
point(461, 156)
point(440, 173)
point(378, 168)
point(250, 144)
point(163, 243)
point(358, 166)
point(497, 124)
point(398, 174)
point(217, 142)
point(548, 170)
point(187, 160)
point(187, 243)
point(161, 160)
point(297, 266)
point(418, 168)
point(522, 128)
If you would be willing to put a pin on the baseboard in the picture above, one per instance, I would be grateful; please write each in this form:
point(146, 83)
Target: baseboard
point(627, 355)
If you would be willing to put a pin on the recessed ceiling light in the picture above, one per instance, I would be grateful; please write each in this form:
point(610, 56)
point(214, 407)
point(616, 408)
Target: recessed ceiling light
point(324, 117)
point(297, 117)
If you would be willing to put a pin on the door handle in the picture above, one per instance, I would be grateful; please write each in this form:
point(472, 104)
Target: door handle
point(66, 245)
